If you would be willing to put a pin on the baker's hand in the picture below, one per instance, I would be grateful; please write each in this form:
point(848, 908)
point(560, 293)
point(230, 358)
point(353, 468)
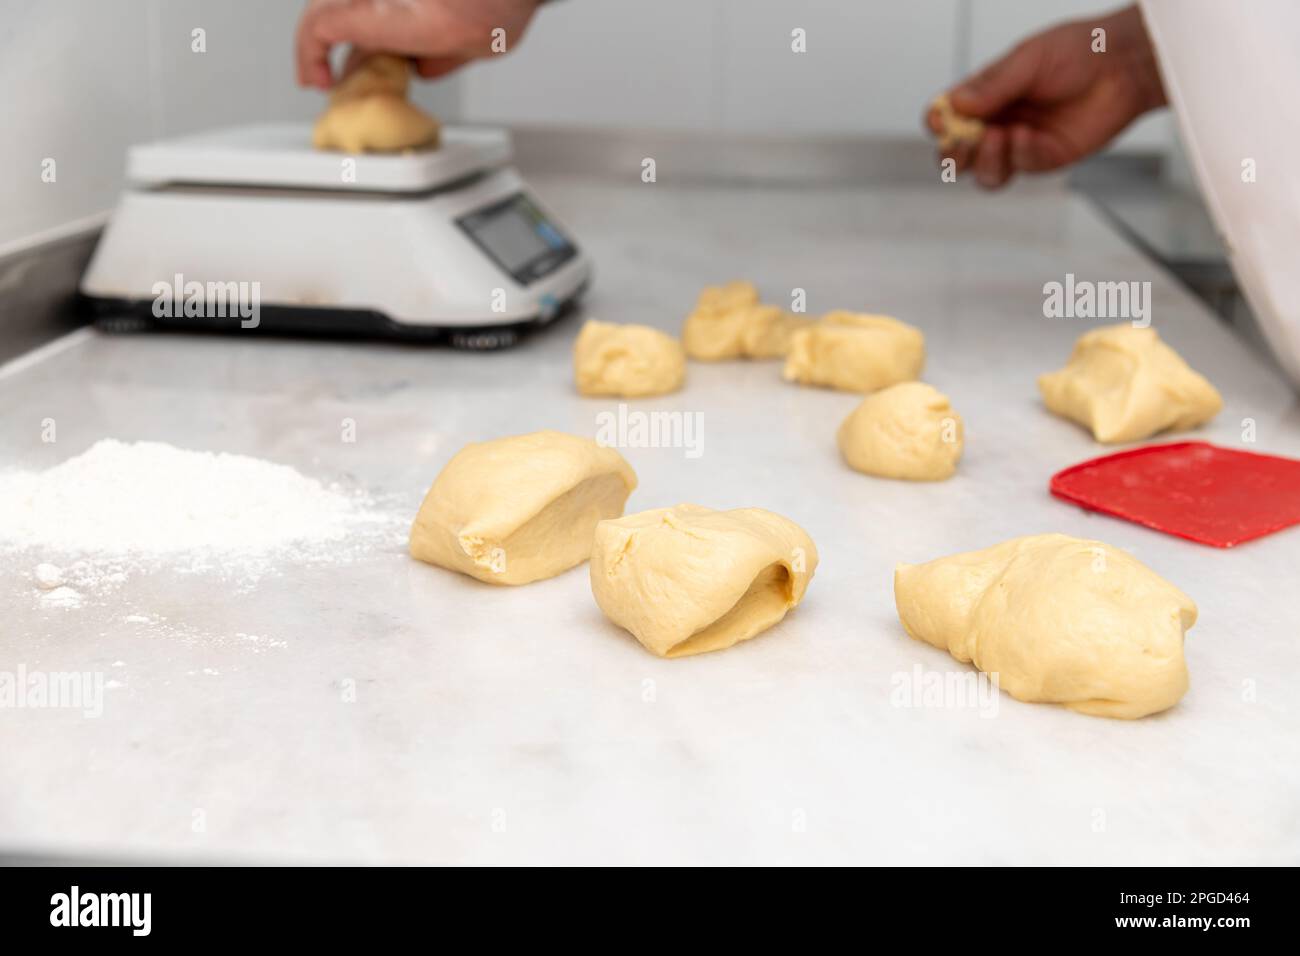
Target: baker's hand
point(1052, 100)
point(439, 35)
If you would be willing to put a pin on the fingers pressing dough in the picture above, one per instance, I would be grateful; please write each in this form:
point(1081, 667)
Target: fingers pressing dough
point(1058, 620)
point(688, 579)
point(907, 431)
point(729, 322)
point(627, 360)
point(1124, 384)
point(855, 352)
point(379, 74)
point(519, 509)
point(369, 111)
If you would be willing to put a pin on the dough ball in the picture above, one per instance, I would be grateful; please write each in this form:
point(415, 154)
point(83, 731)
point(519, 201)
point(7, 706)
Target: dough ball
point(766, 331)
point(375, 124)
point(855, 352)
point(728, 297)
point(627, 360)
point(908, 431)
point(955, 128)
point(522, 508)
point(369, 112)
point(688, 579)
point(713, 336)
point(1058, 619)
point(1124, 384)
point(713, 330)
point(729, 322)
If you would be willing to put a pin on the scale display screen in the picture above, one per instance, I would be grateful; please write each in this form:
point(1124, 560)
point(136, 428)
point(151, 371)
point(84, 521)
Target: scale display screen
point(518, 237)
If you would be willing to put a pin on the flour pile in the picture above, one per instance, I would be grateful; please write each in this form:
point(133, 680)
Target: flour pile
point(125, 507)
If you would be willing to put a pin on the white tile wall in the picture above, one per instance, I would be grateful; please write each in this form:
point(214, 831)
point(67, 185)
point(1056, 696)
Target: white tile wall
point(869, 67)
point(246, 73)
point(80, 80)
point(605, 63)
point(76, 102)
point(721, 64)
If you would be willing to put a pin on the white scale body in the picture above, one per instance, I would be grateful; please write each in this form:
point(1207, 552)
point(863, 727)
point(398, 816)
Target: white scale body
point(445, 244)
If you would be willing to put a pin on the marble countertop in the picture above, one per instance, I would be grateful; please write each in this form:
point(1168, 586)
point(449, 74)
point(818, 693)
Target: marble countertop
point(517, 725)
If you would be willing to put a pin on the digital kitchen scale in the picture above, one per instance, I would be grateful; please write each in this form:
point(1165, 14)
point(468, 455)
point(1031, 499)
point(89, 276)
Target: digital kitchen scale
point(251, 228)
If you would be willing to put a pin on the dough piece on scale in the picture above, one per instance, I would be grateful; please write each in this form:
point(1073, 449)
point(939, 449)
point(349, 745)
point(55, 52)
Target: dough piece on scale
point(1058, 619)
point(519, 509)
point(369, 111)
point(688, 579)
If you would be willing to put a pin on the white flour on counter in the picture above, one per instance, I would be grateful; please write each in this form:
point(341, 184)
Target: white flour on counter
point(123, 508)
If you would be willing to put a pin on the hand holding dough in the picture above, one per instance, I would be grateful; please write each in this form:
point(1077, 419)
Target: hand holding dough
point(729, 322)
point(627, 360)
point(855, 352)
point(376, 75)
point(1124, 384)
point(518, 509)
point(369, 111)
point(907, 431)
point(688, 579)
point(1058, 620)
point(954, 128)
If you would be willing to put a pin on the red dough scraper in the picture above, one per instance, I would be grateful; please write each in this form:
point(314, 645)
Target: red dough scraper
point(1195, 490)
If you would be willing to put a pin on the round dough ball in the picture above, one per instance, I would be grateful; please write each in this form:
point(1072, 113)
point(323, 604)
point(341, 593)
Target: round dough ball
point(1124, 384)
point(907, 431)
point(627, 360)
point(519, 509)
point(1058, 619)
point(855, 352)
point(688, 579)
point(369, 111)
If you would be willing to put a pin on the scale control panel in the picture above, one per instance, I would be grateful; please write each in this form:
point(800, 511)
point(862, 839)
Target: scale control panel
point(516, 235)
